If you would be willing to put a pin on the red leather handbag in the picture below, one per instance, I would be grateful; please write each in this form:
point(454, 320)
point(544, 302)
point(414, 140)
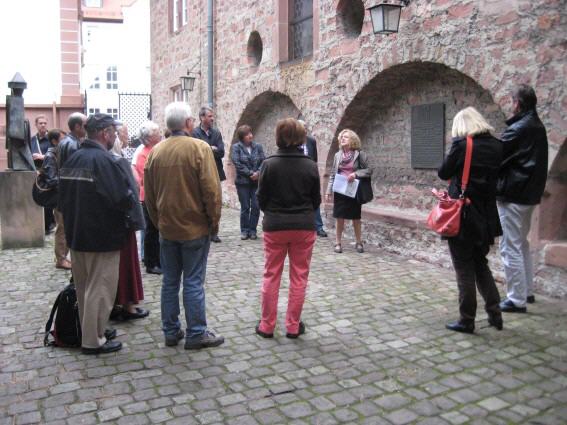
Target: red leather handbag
point(445, 217)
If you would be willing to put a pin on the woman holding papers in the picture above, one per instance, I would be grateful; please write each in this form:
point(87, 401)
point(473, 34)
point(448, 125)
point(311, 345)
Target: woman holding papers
point(289, 193)
point(349, 164)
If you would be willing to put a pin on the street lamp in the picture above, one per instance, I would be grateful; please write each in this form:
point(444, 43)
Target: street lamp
point(386, 17)
point(187, 83)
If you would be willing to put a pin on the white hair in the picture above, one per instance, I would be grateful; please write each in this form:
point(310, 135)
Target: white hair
point(146, 130)
point(176, 114)
point(469, 122)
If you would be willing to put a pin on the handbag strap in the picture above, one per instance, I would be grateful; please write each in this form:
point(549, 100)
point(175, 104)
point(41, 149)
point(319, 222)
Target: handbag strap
point(467, 168)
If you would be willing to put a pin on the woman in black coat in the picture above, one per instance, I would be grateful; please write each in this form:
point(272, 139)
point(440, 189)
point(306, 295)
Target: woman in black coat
point(247, 157)
point(289, 193)
point(480, 223)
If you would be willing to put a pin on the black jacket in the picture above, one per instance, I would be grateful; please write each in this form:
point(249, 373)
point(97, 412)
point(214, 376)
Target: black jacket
point(246, 163)
point(213, 139)
point(289, 191)
point(135, 215)
point(481, 223)
point(523, 172)
point(94, 198)
point(66, 147)
point(50, 168)
point(311, 144)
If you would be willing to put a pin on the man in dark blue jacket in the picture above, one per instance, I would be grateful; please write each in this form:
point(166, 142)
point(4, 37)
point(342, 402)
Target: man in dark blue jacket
point(205, 131)
point(309, 148)
point(521, 183)
point(94, 196)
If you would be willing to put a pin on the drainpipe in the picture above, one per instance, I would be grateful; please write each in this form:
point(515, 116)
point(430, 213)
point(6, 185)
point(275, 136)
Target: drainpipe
point(210, 52)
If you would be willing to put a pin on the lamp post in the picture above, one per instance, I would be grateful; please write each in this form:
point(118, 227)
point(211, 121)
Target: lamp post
point(386, 17)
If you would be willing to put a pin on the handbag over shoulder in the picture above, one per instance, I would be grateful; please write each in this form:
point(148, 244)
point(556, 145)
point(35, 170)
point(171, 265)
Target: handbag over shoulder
point(445, 217)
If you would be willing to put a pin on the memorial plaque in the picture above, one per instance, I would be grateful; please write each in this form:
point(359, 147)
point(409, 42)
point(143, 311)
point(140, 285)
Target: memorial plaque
point(427, 135)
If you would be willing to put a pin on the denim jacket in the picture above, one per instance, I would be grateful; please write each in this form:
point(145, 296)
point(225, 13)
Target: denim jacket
point(246, 163)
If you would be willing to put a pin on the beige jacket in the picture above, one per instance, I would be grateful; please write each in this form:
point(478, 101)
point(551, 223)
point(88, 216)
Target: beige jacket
point(361, 167)
point(182, 189)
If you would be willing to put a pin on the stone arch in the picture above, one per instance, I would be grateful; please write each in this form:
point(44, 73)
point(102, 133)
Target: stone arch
point(262, 114)
point(381, 115)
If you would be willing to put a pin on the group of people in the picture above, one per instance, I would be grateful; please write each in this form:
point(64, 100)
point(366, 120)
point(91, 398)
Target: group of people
point(507, 180)
point(171, 190)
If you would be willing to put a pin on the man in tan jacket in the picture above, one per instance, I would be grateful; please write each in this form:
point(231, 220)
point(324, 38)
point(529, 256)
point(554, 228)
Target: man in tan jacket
point(183, 198)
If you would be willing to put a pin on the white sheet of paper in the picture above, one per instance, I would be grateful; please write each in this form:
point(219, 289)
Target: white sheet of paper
point(341, 185)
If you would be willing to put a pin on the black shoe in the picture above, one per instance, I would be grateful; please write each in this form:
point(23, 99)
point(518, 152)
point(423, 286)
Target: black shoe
point(140, 313)
point(107, 347)
point(263, 334)
point(253, 236)
point(300, 332)
point(508, 306)
point(215, 239)
point(244, 236)
point(208, 339)
point(321, 233)
point(461, 327)
point(496, 321)
point(153, 270)
point(530, 299)
point(173, 340)
point(109, 334)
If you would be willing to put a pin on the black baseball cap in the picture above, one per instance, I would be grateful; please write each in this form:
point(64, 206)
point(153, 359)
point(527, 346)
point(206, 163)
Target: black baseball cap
point(100, 121)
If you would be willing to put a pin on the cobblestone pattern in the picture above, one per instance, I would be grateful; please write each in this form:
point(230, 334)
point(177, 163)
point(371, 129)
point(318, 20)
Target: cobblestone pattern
point(375, 351)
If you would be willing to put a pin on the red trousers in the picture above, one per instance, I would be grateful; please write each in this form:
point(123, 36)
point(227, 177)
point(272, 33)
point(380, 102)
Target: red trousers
point(298, 244)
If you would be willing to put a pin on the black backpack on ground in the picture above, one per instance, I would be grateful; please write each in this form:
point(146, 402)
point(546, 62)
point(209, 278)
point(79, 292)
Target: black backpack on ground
point(67, 329)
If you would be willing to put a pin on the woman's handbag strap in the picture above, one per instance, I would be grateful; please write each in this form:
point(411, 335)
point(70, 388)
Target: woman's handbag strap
point(467, 168)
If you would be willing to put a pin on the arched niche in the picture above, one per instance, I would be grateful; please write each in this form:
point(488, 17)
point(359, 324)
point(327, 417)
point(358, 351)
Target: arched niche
point(262, 114)
point(380, 113)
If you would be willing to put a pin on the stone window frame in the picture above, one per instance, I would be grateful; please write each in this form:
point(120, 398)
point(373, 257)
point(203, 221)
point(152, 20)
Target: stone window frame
point(282, 32)
point(177, 15)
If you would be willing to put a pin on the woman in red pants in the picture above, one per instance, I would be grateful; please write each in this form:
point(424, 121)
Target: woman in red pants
point(288, 194)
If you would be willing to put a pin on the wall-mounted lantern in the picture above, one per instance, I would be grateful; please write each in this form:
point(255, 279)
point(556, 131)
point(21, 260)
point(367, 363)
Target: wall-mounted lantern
point(386, 16)
point(187, 82)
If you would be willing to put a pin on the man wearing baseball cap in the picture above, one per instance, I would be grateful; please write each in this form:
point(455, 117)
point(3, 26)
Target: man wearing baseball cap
point(94, 198)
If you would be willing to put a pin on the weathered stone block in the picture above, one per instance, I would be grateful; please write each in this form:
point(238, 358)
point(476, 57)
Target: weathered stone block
point(21, 219)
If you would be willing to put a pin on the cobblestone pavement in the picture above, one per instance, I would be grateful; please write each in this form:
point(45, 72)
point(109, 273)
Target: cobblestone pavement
point(375, 352)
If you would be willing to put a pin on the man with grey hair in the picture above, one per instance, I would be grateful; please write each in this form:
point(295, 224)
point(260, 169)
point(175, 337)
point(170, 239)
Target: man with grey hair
point(309, 148)
point(183, 198)
point(71, 142)
point(68, 145)
point(205, 131)
point(149, 137)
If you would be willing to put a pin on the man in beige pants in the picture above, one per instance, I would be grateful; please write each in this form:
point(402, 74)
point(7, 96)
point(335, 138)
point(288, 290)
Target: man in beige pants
point(94, 198)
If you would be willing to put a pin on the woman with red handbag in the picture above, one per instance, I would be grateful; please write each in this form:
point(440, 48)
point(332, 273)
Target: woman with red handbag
point(480, 223)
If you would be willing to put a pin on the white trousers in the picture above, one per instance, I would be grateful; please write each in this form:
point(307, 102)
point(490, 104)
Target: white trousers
point(515, 250)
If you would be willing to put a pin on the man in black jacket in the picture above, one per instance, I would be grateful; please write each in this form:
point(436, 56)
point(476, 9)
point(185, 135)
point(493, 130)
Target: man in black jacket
point(205, 131)
point(71, 142)
point(309, 148)
point(94, 198)
point(521, 183)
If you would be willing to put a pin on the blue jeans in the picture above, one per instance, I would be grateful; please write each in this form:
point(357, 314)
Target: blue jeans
point(318, 219)
point(189, 258)
point(249, 210)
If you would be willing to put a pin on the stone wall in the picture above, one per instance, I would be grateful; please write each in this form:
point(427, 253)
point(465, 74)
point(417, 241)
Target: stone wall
point(460, 53)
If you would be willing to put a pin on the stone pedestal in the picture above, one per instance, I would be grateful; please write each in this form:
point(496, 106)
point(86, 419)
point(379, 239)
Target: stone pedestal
point(21, 219)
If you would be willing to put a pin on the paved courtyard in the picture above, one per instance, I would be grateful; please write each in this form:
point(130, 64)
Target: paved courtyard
point(375, 352)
